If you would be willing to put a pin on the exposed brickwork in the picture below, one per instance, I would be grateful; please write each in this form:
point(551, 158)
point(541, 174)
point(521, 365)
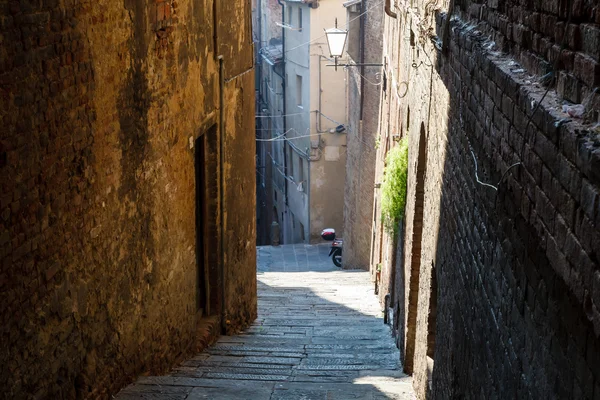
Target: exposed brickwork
point(361, 141)
point(99, 103)
point(517, 313)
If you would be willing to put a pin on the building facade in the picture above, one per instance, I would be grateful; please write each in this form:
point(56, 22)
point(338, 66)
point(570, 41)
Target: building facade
point(493, 283)
point(365, 41)
point(124, 156)
point(270, 173)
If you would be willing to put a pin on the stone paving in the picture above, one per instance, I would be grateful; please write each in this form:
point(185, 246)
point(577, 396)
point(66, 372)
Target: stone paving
point(319, 336)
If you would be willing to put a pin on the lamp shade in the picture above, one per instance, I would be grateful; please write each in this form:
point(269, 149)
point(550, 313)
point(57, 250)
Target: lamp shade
point(336, 40)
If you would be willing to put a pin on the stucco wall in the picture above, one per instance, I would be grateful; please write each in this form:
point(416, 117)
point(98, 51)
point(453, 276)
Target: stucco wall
point(328, 95)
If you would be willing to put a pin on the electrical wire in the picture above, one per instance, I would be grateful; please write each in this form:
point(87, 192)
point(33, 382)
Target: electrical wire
point(326, 117)
point(278, 138)
point(282, 115)
point(378, 77)
point(476, 174)
point(286, 177)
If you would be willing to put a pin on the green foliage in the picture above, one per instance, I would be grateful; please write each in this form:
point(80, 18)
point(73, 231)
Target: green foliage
point(377, 142)
point(393, 189)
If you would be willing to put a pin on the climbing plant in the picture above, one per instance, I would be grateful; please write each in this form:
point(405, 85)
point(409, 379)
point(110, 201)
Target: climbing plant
point(393, 188)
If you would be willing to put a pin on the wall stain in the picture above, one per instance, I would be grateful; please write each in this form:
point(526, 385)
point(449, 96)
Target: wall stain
point(133, 104)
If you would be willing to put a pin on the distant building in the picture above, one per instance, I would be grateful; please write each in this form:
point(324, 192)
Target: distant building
point(307, 115)
point(270, 172)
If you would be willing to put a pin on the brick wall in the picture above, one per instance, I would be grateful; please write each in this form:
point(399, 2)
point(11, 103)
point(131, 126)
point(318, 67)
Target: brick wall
point(361, 141)
point(517, 268)
point(99, 103)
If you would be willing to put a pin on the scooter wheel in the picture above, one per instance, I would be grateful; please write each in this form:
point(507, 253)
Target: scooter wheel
point(337, 258)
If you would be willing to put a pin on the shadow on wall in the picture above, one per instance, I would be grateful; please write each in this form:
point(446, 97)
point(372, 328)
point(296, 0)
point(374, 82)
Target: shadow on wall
point(515, 263)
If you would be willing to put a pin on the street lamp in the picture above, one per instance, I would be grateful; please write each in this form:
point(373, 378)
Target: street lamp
point(336, 41)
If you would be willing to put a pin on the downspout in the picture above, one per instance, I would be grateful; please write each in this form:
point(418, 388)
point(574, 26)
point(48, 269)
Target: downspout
point(318, 120)
point(308, 195)
point(222, 193)
point(320, 95)
point(362, 58)
point(388, 9)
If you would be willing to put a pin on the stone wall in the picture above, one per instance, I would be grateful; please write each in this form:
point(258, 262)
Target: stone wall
point(100, 105)
point(361, 140)
point(497, 288)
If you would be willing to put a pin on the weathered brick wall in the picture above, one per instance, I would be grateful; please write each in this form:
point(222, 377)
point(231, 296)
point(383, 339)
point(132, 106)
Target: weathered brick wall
point(540, 236)
point(98, 103)
point(391, 127)
point(539, 33)
point(518, 276)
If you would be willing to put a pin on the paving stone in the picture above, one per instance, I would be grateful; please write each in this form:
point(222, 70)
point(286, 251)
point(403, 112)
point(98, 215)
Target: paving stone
point(203, 372)
point(154, 392)
point(324, 378)
point(319, 335)
point(272, 360)
point(341, 367)
point(159, 396)
point(243, 365)
point(288, 349)
point(230, 393)
point(260, 353)
point(253, 377)
point(370, 347)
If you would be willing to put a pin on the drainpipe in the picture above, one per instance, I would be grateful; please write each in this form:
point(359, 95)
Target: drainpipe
point(362, 58)
point(318, 120)
point(222, 193)
point(308, 196)
point(388, 9)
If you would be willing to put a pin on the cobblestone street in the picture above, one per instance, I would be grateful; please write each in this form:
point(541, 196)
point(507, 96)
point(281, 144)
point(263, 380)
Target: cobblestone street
point(319, 335)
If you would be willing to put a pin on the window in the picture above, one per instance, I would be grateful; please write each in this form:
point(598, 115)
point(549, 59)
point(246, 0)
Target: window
point(299, 91)
point(299, 19)
point(290, 14)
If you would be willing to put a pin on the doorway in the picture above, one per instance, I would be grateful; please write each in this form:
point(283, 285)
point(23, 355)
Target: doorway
point(415, 255)
point(208, 263)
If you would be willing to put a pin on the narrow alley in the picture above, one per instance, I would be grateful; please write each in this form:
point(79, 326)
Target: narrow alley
point(319, 335)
